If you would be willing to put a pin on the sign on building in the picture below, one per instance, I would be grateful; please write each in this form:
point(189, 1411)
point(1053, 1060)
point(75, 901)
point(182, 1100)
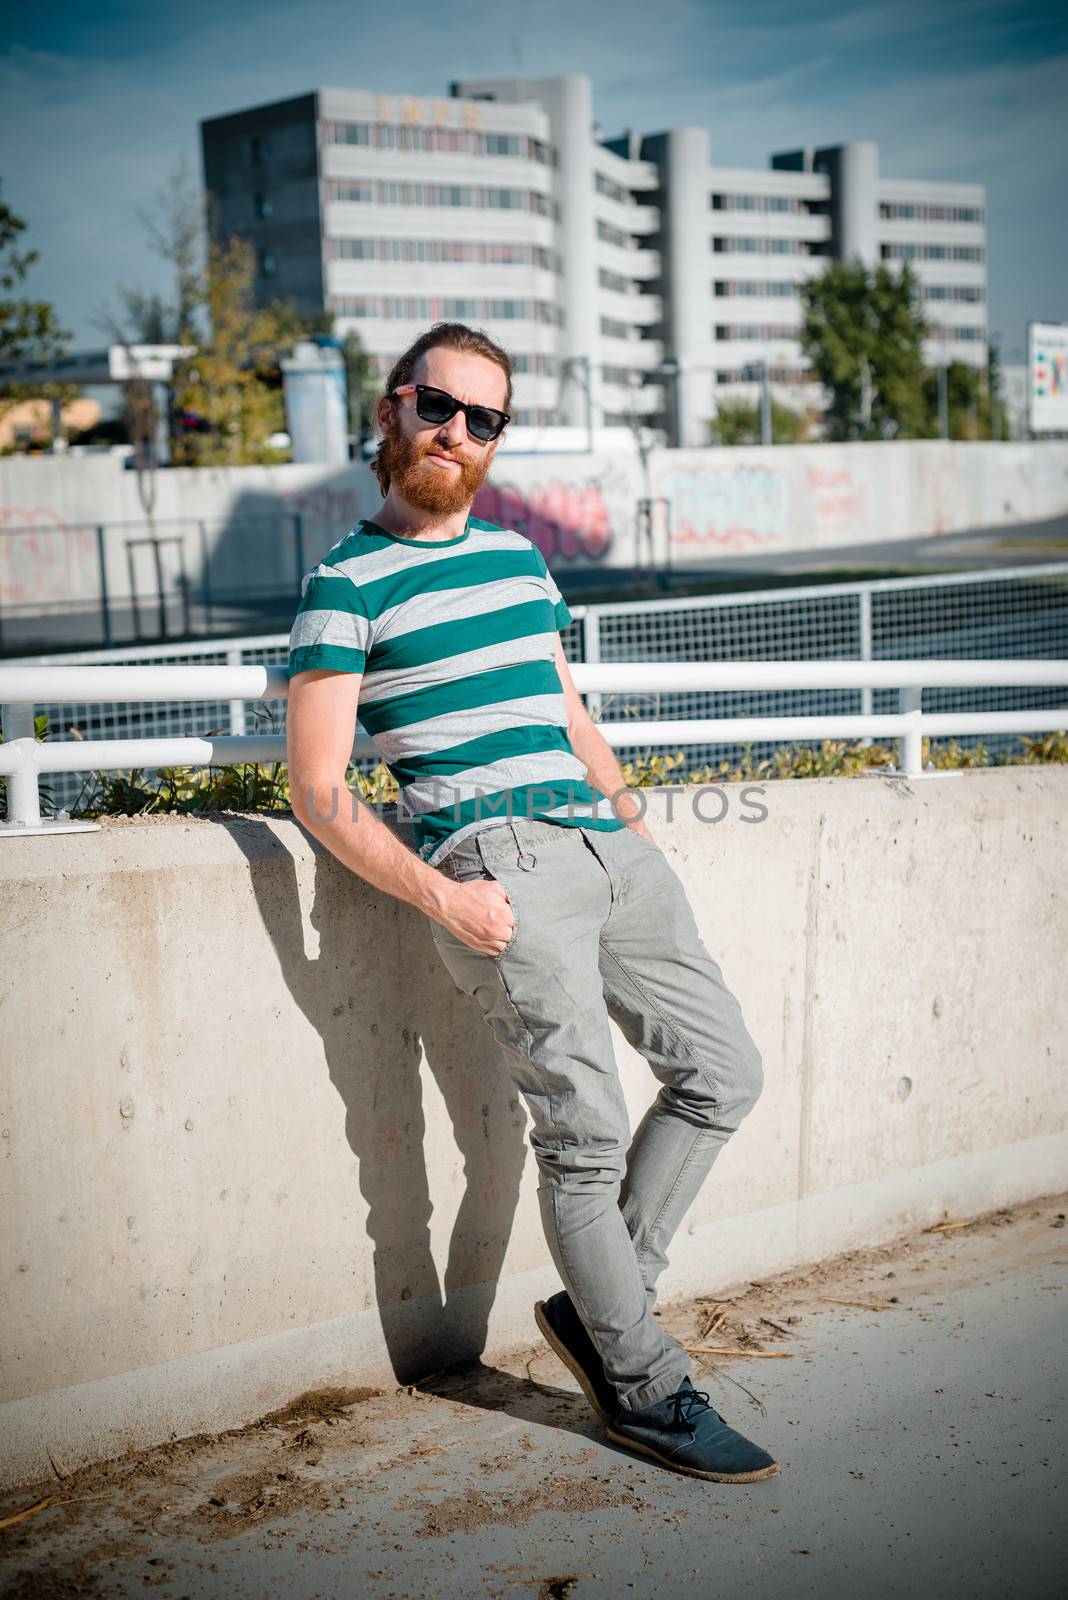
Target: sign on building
point(1047, 359)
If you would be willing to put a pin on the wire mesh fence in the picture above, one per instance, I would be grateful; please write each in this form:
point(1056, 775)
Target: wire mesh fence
point(1005, 614)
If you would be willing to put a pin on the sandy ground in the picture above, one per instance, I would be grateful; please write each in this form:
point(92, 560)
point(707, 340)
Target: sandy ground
point(914, 1396)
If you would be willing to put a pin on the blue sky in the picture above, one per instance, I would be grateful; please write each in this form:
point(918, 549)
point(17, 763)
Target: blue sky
point(98, 102)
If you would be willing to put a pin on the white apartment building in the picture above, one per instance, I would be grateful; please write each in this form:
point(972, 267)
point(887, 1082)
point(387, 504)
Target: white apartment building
point(629, 275)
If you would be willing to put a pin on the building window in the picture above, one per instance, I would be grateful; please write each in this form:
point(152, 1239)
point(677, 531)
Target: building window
point(748, 245)
point(466, 141)
point(730, 333)
point(893, 211)
point(268, 263)
point(613, 191)
point(932, 252)
point(757, 202)
point(261, 148)
point(264, 208)
point(757, 289)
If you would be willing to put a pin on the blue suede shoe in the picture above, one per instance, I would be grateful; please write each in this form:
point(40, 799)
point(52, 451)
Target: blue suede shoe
point(566, 1332)
point(685, 1432)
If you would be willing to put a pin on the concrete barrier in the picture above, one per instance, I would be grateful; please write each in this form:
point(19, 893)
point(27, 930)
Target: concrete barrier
point(255, 1142)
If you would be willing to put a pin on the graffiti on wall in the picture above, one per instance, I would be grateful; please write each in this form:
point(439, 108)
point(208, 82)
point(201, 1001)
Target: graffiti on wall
point(836, 500)
point(567, 521)
point(42, 560)
point(336, 509)
point(726, 508)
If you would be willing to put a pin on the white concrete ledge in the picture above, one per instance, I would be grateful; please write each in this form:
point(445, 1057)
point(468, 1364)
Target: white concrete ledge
point(254, 1142)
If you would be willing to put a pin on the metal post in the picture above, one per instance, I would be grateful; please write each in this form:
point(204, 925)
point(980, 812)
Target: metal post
point(943, 401)
point(910, 743)
point(589, 402)
point(23, 791)
point(591, 651)
point(680, 421)
point(866, 694)
point(205, 577)
point(765, 405)
point(105, 606)
point(237, 707)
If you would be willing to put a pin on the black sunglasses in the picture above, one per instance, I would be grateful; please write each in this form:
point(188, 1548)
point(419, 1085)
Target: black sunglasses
point(434, 405)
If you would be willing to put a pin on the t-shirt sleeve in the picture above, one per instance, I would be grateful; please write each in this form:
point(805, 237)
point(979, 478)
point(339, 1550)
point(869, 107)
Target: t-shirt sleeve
point(331, 628)
point(560, 610)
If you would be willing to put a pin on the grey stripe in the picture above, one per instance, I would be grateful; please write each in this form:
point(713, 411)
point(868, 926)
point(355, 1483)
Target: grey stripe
point(506, 653)
point(347, 628)
point(454, 605)
point(542, 766)
point(473, 722)
point(371, 564)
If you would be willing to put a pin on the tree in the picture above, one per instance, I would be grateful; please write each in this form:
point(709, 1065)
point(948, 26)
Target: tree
point(228, 398)
point(738, 422)
point(364, 387)
point(29, 330)
point(974, 404)
point(233, 381)
point(862, 335)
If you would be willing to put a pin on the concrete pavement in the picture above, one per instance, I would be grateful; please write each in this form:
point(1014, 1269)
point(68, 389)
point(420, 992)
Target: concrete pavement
point(921, 1434)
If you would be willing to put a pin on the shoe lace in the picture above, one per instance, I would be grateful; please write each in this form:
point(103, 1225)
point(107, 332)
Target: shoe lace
point(687, 1403)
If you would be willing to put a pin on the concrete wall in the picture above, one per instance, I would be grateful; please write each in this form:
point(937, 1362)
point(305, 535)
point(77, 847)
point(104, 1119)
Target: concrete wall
point(579, 509)
point(254, 1141)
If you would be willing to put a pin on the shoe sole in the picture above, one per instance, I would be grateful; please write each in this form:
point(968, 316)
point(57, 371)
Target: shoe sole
point(573, 1366)
point(694, 1472)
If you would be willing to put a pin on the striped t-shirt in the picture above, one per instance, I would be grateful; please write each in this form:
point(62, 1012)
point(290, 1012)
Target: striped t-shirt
point(460, 692)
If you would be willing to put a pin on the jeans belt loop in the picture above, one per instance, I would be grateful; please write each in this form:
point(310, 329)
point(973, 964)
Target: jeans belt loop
point(526, 858)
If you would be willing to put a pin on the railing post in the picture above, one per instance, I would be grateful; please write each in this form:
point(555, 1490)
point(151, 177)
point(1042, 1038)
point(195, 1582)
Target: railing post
point(866, 694)
point(237, 707)
point(910, 743)
point(23, 790)
point(591, 651)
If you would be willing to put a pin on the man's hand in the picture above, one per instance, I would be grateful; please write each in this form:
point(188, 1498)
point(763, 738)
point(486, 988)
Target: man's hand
point(480, 913)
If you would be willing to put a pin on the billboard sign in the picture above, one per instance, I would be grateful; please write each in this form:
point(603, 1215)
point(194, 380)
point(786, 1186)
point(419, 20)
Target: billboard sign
point(1047, 359)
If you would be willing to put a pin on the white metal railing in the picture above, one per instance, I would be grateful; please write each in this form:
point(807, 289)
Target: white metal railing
point(23, 758)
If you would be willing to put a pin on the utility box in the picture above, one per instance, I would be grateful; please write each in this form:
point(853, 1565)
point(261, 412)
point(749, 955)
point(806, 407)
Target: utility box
point(316, 401)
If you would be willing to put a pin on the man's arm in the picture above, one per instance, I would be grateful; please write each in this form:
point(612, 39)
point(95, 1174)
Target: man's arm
point(602, 767)
point(320, 729)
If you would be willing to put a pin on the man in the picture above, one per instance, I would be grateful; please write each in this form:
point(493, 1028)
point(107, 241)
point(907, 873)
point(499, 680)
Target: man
point(553, 908)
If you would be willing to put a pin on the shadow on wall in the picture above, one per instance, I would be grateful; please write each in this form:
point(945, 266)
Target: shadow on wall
point(373, 1036)
point(259, 557)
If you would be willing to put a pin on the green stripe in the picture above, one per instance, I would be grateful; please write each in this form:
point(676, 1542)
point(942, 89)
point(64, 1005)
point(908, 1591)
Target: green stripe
point(539, 797)
point(336, 657)
point(486, 688)
point(334, 593)
point(462, 572)
point(562, 614)
point(442, 640)
point(481, 752)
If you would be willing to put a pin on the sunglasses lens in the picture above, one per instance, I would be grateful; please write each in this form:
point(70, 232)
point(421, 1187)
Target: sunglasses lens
point(435, 407)
point(483, 424)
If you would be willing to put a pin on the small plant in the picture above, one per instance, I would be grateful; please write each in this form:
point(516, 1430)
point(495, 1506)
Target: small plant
point(264, 786)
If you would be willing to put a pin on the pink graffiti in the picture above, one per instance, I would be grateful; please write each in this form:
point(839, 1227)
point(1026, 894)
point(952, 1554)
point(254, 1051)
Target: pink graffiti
point(835, 496)
point(337, 508)
point(562, 519)
point(41, 558)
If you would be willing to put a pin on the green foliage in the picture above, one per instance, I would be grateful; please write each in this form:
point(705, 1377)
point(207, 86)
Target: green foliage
point(29, 330)
point(264, 786)
point(862, 336)
point(738, 422)
point(974, 407)
point(364, 386)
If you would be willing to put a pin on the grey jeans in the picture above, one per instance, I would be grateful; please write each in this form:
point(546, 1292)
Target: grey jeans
point(603, 928)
